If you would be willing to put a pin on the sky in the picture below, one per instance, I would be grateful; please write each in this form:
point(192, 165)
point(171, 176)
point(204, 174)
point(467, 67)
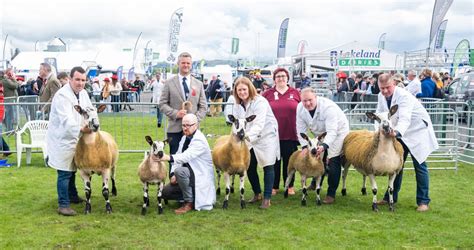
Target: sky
point(209, 25)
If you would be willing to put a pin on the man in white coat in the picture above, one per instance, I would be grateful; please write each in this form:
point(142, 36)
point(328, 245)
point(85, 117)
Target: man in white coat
point(62, 136)
point(192, 172)
point(319, 115)
point(414, 130)
point(414, 86)
point(157, 87)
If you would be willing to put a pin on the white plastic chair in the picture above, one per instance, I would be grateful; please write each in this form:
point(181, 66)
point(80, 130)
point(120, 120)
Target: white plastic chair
point(37, 131)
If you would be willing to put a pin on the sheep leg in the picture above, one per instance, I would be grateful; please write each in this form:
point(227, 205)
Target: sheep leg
point(242, 190)
point(146, 201)
point(374, 192)
point(218, 190)
point(232, 186)
point(86, 177)
point(344, 176)
point(305, 192)
point(318, 190)
point(364, 189)
point(227, 190)
point(390, 192)
point(291, 173)
point(105, 191)
point(160, 191)
point(114, 189)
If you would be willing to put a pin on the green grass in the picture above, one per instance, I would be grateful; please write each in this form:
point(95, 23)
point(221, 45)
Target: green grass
point(28, 218)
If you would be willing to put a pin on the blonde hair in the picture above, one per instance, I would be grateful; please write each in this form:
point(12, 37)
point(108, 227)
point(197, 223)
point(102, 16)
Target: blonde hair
point(245, 81)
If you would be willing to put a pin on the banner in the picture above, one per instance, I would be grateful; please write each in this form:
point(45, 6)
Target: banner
point(382, 41)
point(52, 62)
point(235, 46)
point(282, 38)
point(131, 73)
point(156, 55)
point(120, 73)
point(461, 52)
point(173, 36)
point(439, 11)
point(440, 35)
point(302, 45)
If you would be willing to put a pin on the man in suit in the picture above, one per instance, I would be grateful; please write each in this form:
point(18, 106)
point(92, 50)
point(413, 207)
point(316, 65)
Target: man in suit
point(177, 90)
point(49, 88)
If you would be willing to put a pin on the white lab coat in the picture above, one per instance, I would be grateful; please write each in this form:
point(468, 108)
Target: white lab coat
point(157, 89)
point(64, 127)
point(412, 121)
point(198, 156)
point(228, 108)
point(414, 87)
point(329, 118)
point(262, 131)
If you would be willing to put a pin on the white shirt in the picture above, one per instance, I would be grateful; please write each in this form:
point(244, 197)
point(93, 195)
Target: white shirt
point(414, 87)
point(188, 82)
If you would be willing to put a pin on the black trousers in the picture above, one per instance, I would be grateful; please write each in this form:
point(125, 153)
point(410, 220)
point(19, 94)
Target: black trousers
point(286, 149)
point(174, 143)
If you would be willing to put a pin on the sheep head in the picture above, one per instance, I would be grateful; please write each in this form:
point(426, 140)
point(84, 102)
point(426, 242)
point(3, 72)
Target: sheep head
point(384, 119)
point(313, 143)
point(91, 119)
point(157, 147)
point(240, 125)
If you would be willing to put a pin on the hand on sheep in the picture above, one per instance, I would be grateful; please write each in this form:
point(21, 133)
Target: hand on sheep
point(304, 151)
point(173, 180)
point(319, 151)
point(86, 130)
point(181, 113)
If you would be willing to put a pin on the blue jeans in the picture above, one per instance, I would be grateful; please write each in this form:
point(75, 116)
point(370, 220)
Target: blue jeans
point(268, 177)
point(422, 180)
point(66, 186)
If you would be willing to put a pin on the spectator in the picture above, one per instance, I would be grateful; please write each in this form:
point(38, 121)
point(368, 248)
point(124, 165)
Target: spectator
point(63, 78)
point(115, 89)
point(305, 81)
point(96, 89)
point(414, 84)
point(258, 81)
point(437, 80)
point(283, 100)
point(106, 93)
point(157, 87)
point(215, 93)
point(10, 92)
point(428, 86)
point(48, 89)
point(126, 94)
point(3, 146)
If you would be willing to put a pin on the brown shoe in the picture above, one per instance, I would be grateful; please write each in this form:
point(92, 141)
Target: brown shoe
point(422, 208)
point(382, 202)
point(257, 197)
point(66, 211)
point(265, 204)
point(274, 191)
point(188, 206)
point(328, 200)
point(291, 191)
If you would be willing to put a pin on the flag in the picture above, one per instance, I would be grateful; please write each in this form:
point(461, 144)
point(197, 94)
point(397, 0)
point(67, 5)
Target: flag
point(459, 53)
point(173, 36)
point(282, 38)
point(156, 55)
point(439, 11)
point(131, 72)
point(302, 46)
point(235, 46)
point(120, 73)
point(382, 41)
point(440, 35)
point(53, 63)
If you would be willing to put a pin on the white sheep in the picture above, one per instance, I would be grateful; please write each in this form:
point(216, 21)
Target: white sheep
point(308, 165)
point(153, 172)
point(96, 152)
point(231, 155)
point(374, 153)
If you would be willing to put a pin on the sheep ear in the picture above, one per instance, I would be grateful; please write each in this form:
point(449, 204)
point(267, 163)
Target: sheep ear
point(231, 118)
point(321, 136)
point(393, 110)
point(79, 109)
point(101, 108)
point(250, 118)
point(372, 116)
point(168, 140)
point(304, 136)
point(149, 140)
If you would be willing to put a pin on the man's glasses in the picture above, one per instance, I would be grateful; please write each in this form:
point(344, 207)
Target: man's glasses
point(187, 125)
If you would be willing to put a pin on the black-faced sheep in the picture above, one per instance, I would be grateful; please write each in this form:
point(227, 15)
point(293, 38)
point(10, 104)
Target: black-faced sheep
point(308, 165)
point(153, 172)
point(96, 152)
point(232, 156)
point(374, 153)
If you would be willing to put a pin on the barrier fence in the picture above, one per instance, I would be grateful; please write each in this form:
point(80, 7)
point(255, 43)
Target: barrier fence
point(452, 122)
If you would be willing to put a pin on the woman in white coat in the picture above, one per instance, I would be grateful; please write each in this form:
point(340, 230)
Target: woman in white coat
point(413, 128)
point(63, 133)
point(191, 170)
point(321, 115)
point(262, 134)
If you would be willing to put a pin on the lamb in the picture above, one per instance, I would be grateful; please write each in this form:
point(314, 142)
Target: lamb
point(308, 165)
point(96, 152)
point(374, 153)
point(231, 155)
point(153, 172)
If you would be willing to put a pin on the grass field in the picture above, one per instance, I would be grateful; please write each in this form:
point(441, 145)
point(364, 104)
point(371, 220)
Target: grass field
point(28, 217)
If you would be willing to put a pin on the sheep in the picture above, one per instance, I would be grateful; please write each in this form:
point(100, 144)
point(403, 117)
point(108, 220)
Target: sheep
point(96, 152)
point(374, 153)
point(231, 155)
point(308, 165)
point(153, 172)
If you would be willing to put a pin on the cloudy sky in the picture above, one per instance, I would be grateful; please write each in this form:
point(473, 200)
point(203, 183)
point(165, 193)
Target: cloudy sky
point(209, 25)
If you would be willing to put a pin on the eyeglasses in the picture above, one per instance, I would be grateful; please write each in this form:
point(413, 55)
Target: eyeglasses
point(280, 76)
point(187, 125)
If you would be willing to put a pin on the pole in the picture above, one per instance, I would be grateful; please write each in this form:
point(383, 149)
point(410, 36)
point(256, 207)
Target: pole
point(146, 53)
point(135, 49)
point(3, 57)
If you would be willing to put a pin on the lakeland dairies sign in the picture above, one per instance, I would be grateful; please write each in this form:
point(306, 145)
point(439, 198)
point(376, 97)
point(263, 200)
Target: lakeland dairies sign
point(355, 58)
